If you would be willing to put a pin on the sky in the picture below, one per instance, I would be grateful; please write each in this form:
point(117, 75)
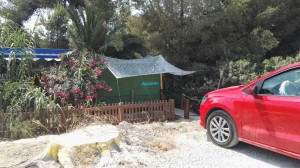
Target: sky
point(31, 22)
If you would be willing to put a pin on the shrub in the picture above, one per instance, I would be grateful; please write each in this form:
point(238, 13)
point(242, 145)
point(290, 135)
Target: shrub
point(240, 72)
point(233, 73)
point(77, 81)
point(17, 127)
point(278, 61)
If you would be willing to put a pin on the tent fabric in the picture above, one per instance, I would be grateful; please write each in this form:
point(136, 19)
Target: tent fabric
point(122, 68)
point(37, 53)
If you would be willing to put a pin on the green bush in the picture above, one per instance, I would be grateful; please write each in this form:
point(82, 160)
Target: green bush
point(18, 92)
point(240, 72)
point(278, 61)
point(243, 71)
point(233, 73)
point(17, 127)
point(77, 81)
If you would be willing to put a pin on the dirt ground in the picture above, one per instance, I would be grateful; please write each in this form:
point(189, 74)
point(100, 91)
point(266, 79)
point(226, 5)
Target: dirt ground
point(12, 154)
point(181, 143)
point(139, 142)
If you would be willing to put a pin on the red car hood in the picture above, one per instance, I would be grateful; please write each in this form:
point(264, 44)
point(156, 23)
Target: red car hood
point(228, 89)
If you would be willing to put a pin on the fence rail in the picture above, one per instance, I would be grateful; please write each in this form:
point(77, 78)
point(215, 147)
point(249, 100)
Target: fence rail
point(58, 121)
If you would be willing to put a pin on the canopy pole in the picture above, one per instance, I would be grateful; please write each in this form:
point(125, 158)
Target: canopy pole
point(161, 87)
point(118, 90)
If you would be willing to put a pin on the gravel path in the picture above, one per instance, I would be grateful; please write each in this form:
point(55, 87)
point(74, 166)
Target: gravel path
point(193, 149)
point(203, 153)
point(181, 144)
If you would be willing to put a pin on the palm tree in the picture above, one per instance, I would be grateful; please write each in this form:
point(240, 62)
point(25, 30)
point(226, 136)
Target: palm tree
point(133, 47)
point(90, 29)
point(98, 31)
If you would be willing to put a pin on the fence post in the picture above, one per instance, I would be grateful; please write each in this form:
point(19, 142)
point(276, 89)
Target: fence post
point(171, 110)
point(186, 108)
point(121, 112)
point(182, 101)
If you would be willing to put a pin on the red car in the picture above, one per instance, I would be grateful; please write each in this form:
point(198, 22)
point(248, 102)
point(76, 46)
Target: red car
point(264, 112)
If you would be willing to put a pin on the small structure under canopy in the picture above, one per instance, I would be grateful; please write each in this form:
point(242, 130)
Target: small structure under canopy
point(130, 79)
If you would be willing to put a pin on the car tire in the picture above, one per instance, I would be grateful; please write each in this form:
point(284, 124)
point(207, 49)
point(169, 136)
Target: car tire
point(221, 129)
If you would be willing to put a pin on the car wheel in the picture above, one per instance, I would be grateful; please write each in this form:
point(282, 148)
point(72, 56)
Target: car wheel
point(221, 129)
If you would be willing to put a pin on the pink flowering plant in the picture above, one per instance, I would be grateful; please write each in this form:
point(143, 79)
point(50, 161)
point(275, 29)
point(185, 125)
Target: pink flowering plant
point(77, 81)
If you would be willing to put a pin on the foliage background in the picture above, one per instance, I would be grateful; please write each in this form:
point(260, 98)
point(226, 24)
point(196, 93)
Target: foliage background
point(228, 42)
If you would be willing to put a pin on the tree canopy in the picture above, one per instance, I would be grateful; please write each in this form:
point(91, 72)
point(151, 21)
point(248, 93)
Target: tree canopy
point(211, 36)
point(188, 30)
point(206, 31)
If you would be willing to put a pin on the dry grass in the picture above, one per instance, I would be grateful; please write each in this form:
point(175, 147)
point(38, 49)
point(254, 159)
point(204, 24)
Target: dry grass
point(153, 136)
point(164, 146)
point(87, 119)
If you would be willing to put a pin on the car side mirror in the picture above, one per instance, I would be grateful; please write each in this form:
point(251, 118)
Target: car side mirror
point(253, 90)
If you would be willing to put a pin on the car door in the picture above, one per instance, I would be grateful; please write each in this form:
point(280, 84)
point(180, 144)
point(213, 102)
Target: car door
point(272, 117)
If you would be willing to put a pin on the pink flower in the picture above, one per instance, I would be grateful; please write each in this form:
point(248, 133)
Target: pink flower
point(76, 91)
point(88, 98)
point(58, 93)
point(66, 95)
point(98, 72)
point(110, 89)
point(103, 61)
point(95, 87)
point(57, 80)
point(71, 63)
point(43, 78)
point(92, 65)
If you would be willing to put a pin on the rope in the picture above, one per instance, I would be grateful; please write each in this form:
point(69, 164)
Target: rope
point(192, 98)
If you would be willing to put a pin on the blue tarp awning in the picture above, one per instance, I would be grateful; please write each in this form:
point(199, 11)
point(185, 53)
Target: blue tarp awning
point(37, 53)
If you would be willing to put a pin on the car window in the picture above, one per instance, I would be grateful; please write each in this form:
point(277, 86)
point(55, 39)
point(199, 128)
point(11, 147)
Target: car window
point(284, 84)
